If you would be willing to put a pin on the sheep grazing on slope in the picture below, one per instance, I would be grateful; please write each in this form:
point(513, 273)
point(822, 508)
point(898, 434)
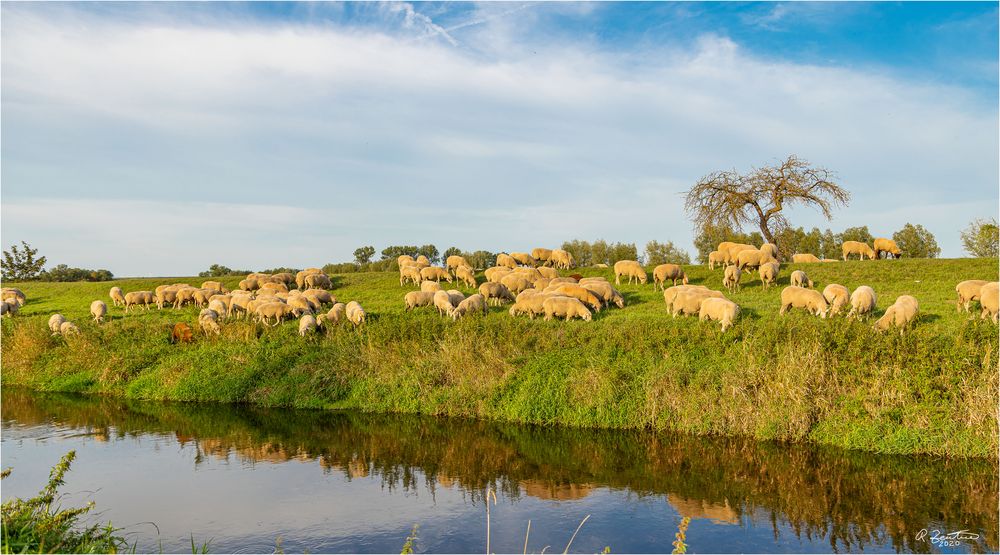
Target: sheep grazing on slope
point(968, 291)
point(567, 307)
point(989, 300)
point(355, 314)
point(472, 304)
point(752, 259)
point(863, 301)
point(249, 284)
point(900, 314)
point(415, 299)
point(317, 281)
point(688, 301)
point(496, 273)
point(506, 261)
point(723, 311)
point(117, 297)
point(516, 282)
point(541, 255)
point(435, 273)
point(307, 324)
point(276, 310)
point(630, 269)
point(716, 258)
point(404, 259)
point(219, 306)
point(663, 272)
point(770, 249)
point(13, 294)
point(136, 298)
point(769, 274)
point(442, 302)
point(300, 277)
point(800, 279)
point(336, 315)
point(886, 247)
point(455, 261)
point(430, 286)
point(98, 310)
point(799, 297)
point(495, 293)
point(466, 275)
point(858, 248)
point(731, 278)
point(670, 293)
point(530, 302)
point(55, 321)
point(582, 294)
point(733, 252)
point(547, 272)
point(604, 291)
point(561, 259)
point(837, 296)
point(208, 321)
point(409, 273)
point(68, 328)
point(804, 258)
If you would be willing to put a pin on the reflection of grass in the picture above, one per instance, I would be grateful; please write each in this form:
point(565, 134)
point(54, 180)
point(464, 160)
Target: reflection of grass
point(791, 378)
point(35, 526)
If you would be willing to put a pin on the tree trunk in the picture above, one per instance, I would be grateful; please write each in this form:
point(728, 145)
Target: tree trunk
point(766, 233)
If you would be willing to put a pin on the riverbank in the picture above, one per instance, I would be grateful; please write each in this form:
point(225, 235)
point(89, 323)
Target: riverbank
point(791, 378)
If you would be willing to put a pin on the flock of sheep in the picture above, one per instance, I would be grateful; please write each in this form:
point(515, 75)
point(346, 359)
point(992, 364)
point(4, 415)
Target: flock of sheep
point(534, 287)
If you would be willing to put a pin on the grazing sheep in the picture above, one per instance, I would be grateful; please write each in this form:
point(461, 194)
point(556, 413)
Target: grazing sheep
point(887, 247)
point(55, 321)
point(582, 294)
point(547, 272)
point(472, 304)
point(208, 321)
point(117, 296)
point(688, 301)
point(98, 310)
point(201, 296)
point(989, 299)
point(422, 260)
point(863, 301)
point(274, 286)
point(455, 261)
point(561, 259)
point(8, 308)
point(404, 259)
point(541, 284)
point(604, 291)
point(554, 281)
point(901, 314)
point(837, 296)
point(752, 259)
point(495, 293)
point(456, 296)
point(409, 273)
point(530, 302)
point(720, 310)
point(804, 258)
point(731, 278)
point(568, 307)
point(800, 279)
point(300, 305)
point(663, 272)
point(317, 281)
point(307, 324)
point(165, 297)
point(68, 328)
point(466, 275)
point(217, 285)
point(322, 295)
point(630, 269)
point(516, 282)
point(430, 286)
point(968, 291)
point(733, 252)
point(240, 305)
point(274, 309)
point(769, 274)
point(14, 294)
point(506, 261)
point(355, 314)
point(531, 273)
point(219, 306)
point(716, 258)
point(181, 333)
point(249, 284)
point(182, 296)
point(592, 278)
point(415, 299)
point(799, 297)
point(288, 279)
point(336, 315)
point(144, 298)
point(770, 249)
point(300, 277)
point(442, 302)
point(541, 255)
point(670, 293)
point(858, 248)
point(435, 273)
point(524, 258)
point(495, 273)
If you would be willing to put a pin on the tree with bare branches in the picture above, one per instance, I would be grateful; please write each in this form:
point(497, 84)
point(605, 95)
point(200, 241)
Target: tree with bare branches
point(758, 197)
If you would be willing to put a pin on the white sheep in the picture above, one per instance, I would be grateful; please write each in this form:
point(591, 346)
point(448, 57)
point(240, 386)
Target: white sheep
point(769, 274)
point(630, 269)
point(989, 300)
point(442, 302)
point(800, 279)
point(307, 324)
point(55, 321)
point(731, 278)
point(467, 275)
point(720, 310)
point(804, 258)
point(688, 301)
point(799, 297)
point(901, 314)
point(968, 291)
point(568, 307)
point(663, 272)
point(68, 328)
point(863, 301)
point(716, 258)
point(208, 320)
point(495, 293)
point(837, 296)
point(472, 304)
point(415, 299)
point(430, 286)
point(858, 248)
point(98, 310)
point(117, 297)
point(355, 314)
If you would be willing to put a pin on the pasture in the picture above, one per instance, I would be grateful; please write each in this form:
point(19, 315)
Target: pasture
point(791, 378)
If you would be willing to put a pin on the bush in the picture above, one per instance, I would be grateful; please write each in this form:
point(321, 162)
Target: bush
point(218, 270)
point(982, 238)
point(665, 253)
point(914, 241)
point(63, 272)
point(363, 255)
point(600, 252)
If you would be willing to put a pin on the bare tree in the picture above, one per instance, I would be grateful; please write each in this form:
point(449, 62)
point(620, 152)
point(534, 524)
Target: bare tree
point(758, 197)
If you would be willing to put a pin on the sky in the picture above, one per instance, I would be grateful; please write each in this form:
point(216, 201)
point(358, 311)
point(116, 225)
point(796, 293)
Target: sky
point(160, 138)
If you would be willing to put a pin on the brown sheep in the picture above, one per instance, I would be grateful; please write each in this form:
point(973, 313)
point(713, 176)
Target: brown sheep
point(886, 247)
point(799, 297)
point(181, 333)
point(663, 272)
point(858, 248)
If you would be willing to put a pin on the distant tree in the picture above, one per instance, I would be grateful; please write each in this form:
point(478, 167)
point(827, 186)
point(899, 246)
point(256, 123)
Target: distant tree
point(581, 250)
point(758, 197)
point(63, 272)
point(665, 253)
point(363, 255)
point(856, 234)
point(395, 251)
point(21, 264)
point(982, 238)
point(600, 252)
point(622, 251)
point(451, 251)
point(280, 270)
point(831, 249)
point(708, 237)
point(431, 252)
point(914, 241)
point(481, 260)
point(218, 270)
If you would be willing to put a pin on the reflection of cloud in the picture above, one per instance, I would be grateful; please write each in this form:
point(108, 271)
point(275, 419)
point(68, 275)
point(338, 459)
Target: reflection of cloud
point(699, 508)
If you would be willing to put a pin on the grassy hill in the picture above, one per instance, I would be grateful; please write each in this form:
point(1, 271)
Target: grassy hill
point(792, 378)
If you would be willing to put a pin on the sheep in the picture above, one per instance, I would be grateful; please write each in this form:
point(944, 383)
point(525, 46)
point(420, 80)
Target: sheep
point(144, 298)
point(466, 275)
point(249, 284)
point(670, 293)
point(800, 297)
point(604, 291)
point(15, 294)
point(217, 285)
point(901, 314)
point(495, 273)
point(317, 281)
point(989, 300)
point(422, 260)
point(770, 249)
point(567, 307)
point(630, 269)
point(541, 284)
point(430, 286)
point(208, 321)
point(274, 287)
point(435, 273)
point(456, 296)
point(804, 258)
point(547, 272)
point(409, 273)
point(800, 279)
point(165, 297)
point(181, 296)
point(542, 255)
point(403, 259)
point(734, 250)
point(8, 308)
point(300, 277)
point(663, 272)
point(561, 259)
point(688, 301)
point(837, 296)
point(581, 281)
point(98, 310)
point(584, 295)
point(721, 310)
point(495, 293)
point(524, 259)
point(181, 333)
point(322, 295)
point(716, 258)
point(531, 273)
point(731, 278)
point(239, 305)
point(887, 247)
point(55, 321)
point(219, 306)
point(68, 328)
point(355, 314)
point(415, 299)
point(769, 274)
point(516, 282)
point(300, 305)
point(858, 248)
point(506, 260)
point(307, 324)
point(117, 297)
point(288, 279)
point(336, 315)
point(455, 261)
point(274, 309)
point(752, 258)
point(472, 304)
point(968, 291)
point(531, 303)
point(201, 296)
point(554, 281)
point(442, 302)
point(863, 301)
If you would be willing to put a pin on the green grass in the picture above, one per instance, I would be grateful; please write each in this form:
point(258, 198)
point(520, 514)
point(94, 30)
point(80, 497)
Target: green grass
point(791, 378)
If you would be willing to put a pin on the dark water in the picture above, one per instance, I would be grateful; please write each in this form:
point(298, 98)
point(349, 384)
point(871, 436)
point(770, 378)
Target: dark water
point(334, 482)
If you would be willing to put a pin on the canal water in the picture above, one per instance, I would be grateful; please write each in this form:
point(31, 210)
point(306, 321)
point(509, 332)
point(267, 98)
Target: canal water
point(246, 479)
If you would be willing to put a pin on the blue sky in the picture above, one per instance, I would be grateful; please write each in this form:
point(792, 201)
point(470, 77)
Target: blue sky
point(156, 139)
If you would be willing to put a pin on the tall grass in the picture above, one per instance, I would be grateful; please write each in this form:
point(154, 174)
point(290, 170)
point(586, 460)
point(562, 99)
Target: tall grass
point(790, 378)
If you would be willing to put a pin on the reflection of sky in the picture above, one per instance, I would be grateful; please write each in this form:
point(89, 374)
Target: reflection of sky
point(243, 506)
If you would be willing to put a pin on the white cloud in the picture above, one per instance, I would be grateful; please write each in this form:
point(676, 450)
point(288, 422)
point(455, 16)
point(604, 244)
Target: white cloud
point(365, 138)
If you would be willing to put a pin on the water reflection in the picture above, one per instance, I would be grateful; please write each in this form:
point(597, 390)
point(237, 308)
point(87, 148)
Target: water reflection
point(851, 500)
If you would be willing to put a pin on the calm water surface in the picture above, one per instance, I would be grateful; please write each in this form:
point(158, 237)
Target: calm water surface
point(342, 481)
